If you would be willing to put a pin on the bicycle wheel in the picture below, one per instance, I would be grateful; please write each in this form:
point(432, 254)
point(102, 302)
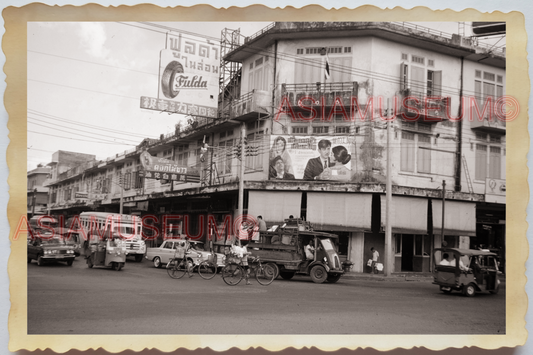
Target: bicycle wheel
point(176, 269)
point(207, 270)
point(232, 274)
point(264, 274)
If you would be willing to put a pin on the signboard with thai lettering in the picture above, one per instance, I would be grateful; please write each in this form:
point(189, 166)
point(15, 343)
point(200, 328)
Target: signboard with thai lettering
point(189, 74)
point(160, 168)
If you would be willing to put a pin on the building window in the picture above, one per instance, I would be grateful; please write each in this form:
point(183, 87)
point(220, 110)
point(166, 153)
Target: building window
point(139, 180)
point(488, 161)
point(299, 129)
point(225, 155)
point(258, 78)
point(405, 56)
point(487, 88)
point(407, 152)
point(417, 59)
point(495, 162)
point(481, 161)
point(347, 49)
point(424, 154)
point(254, 142)
point(320, 129)
point(431, 63)
point(342, 129)
point(127, 179)
point(300, 51)
point(434, 83)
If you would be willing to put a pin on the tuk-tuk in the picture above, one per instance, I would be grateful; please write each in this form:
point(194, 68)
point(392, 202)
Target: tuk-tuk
point(108, 252)
point(466, 270)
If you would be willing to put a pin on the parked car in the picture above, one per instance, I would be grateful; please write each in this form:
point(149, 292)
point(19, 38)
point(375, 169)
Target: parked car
point(161, 255)
point(466, 270)
point(50, 248)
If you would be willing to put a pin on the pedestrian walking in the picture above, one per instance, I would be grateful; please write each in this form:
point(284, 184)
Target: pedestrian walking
point(375, 258)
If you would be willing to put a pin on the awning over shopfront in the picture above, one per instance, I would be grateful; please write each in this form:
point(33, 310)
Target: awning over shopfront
point(459, 219)
point(275, 207)
point(339, 211)
point(409, 215)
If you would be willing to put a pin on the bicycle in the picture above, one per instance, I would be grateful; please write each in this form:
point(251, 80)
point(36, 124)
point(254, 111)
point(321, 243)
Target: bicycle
point(233, 272)
point(179, 265)
point(208, 268)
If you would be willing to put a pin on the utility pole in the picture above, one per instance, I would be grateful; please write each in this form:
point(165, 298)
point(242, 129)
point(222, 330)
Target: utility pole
point(240, 209)
point(443, 201)
point(388, 197)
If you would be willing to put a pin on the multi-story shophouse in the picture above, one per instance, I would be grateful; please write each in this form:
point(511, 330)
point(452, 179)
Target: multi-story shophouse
point(299, 89)
point(37, 193)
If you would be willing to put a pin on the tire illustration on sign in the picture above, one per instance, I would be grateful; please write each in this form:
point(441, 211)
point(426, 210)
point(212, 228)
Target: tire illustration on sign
point(167, 79)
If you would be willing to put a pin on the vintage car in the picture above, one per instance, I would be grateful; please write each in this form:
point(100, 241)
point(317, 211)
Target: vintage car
point(466, 270)
point(48, 248)
point(161, 255)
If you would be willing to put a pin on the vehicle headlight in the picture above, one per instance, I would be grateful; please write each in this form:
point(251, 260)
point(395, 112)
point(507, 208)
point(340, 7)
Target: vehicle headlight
point(47, 251)
point(199, 255)
point(325, 260)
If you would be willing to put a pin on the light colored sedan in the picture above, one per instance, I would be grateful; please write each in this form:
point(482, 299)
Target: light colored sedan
point(161, 255)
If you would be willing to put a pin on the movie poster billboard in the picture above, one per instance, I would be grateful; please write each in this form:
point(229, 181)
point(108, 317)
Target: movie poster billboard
point(312, 158)
point(189, 75)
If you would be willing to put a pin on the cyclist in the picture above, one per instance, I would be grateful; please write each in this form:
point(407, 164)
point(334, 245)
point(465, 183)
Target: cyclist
point(242, 253)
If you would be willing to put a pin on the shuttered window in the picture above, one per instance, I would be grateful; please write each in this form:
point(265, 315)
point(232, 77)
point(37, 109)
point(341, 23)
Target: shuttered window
point(481, 161)
point(407, 152)
point(424, 154)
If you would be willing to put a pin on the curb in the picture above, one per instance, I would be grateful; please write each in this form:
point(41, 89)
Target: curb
point(391, 278)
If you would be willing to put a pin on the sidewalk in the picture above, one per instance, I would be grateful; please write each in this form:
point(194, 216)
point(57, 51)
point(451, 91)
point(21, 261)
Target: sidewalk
point(394, 277)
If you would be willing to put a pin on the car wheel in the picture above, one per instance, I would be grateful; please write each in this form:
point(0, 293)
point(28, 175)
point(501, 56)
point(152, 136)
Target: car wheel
point(90, 262)
point(334, 278)
point(119, 266)
point(157, 262)
point(446, 289)
point(29, 260)
point(69, 263)
point(285, 275)
point(318, 274)
point(40, 261)
point(469, 290)
point(139, 258)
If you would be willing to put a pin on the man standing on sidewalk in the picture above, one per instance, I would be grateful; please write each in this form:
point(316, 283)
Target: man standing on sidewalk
point(375, 258)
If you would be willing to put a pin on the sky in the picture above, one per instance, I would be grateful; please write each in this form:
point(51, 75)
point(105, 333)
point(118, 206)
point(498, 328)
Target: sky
point(85, 80)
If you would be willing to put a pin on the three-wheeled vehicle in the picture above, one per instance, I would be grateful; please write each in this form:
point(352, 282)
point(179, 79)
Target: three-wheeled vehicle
point(108, 252)
point(466, 270)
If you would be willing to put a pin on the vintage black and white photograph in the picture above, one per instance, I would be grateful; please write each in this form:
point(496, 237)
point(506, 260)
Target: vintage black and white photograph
point(267, 178)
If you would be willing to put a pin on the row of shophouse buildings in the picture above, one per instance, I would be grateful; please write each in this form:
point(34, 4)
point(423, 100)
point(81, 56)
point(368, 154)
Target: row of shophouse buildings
point(293, 85)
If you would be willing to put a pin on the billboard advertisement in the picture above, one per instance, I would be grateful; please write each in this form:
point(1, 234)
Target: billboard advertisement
point(189, 75)
point(312, 158)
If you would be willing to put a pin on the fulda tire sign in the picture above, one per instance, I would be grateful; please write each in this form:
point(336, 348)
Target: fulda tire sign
point(188, 75)
point(172, 73)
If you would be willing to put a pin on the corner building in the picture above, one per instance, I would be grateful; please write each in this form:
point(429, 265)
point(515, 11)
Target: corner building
point(295, 84)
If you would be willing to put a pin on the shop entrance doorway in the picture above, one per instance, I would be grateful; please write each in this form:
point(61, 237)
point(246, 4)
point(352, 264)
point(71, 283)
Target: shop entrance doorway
point(407, 252)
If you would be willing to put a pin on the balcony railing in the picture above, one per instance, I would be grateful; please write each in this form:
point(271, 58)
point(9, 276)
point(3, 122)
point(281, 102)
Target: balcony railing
point(252, 104)
point(429, 109)
point(490, 124)
point(322, 94)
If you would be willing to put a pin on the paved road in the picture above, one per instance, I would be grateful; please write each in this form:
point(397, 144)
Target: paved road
point(143, 300)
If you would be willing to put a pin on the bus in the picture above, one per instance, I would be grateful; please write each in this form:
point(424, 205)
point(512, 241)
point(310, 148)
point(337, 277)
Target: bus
point(127, 227)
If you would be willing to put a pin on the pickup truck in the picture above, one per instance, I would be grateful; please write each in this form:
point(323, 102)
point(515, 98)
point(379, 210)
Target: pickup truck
point(161, 255)
point(283, 249)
